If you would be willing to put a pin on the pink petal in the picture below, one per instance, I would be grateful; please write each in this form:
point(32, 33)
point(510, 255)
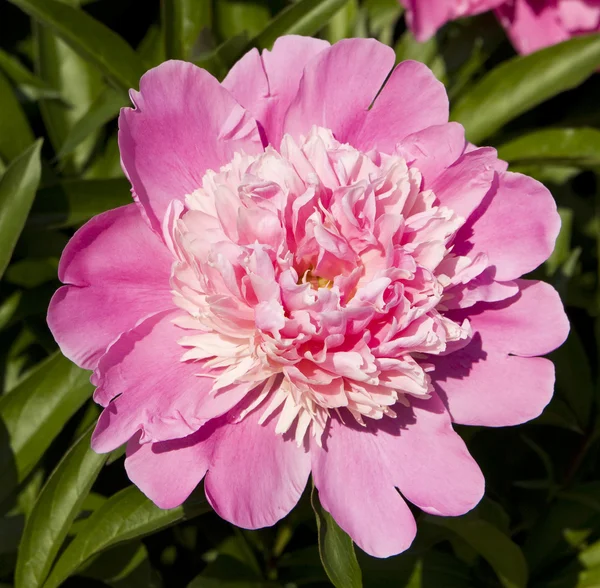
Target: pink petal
point(155, 391)
point(579, 16)
point(531, 25)
point(118, 273)
point(463, 186)
point(168, 472)
point(516, 227)
point(495, 381)
point(429, 462)
point(338, 86)
point(425, 17)
point(256, 476)
point(433, 149)
point(184, 123)
point(400, 109)
point(356, 486)
point(266, 84)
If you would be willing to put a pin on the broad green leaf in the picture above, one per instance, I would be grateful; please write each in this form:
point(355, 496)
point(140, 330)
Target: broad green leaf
point(577, 147)
point(30, 273)
point(590, 556)
point(102, 47)
point(106, 165)
point(182, 22)
point(219, 60)
point(27, 81)
point(521, 83)
point(35, 412)
point(75, 201)
point(383, 16)
point(77, 81)
point(57, 506)
point(18, 186)
point(234, 17)
point(589, 579)
point(336, 549)
point(8, 308)
point(505, 556)
point(305, 17)
point(30, 491)
point(125, 516)
point(15, 132)
point(102, 110)
point(109, 101)
point(342, 24)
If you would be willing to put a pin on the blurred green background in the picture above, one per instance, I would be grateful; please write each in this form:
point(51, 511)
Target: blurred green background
point(70, 517)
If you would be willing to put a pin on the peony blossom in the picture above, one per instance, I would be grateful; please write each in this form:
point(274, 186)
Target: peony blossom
point(318, 276)
point(530, 24)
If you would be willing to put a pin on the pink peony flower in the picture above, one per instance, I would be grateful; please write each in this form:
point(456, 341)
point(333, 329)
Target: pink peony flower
point(317, 276)
point(530, 24)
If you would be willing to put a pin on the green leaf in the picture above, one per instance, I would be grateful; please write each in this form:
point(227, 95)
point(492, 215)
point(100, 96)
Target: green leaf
point(35, 412)
point(107, 164)
point(27, 81)
point(234, 17)
point(57, 506)
point(109, 101)
point(103, 48)
point(73, 202)
point(103, 109)
point(219, 60)
point(577, 147)
point(336, 549)
point(78, 83)
point(15, 132)
point(30, 273)
point(590, 556)
point(182, 22)
point(305, 17)
point(521, 83)
point(505, 556)
point(342, 24)
point(383, 16)
point(125, 516)
point(18, 186)
point(589, 579)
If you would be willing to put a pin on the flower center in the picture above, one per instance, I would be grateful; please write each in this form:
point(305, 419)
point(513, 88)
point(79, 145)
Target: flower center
point(316, 282)
point(314, 278)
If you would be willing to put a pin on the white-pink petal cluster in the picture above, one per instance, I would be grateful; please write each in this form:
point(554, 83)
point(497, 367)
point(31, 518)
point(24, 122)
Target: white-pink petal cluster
point(321, 269)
